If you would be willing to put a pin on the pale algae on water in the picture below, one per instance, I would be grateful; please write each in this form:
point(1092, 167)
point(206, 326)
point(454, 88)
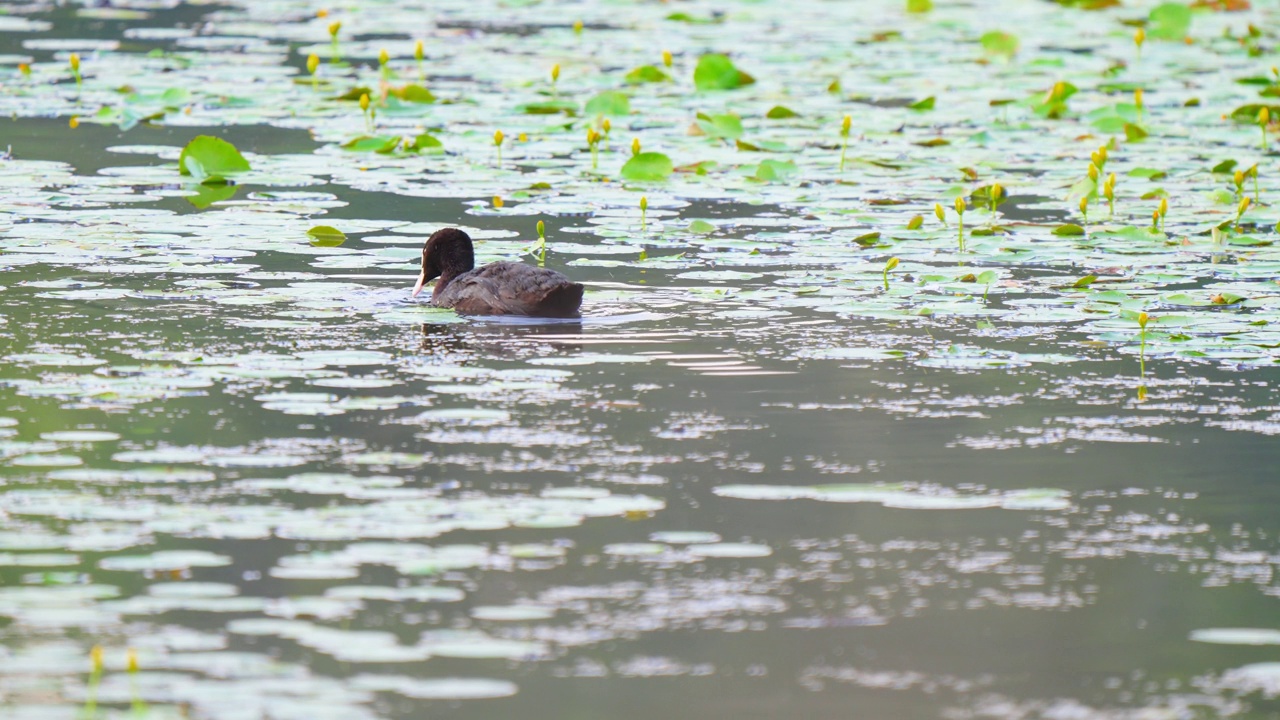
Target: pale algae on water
point(810, 441)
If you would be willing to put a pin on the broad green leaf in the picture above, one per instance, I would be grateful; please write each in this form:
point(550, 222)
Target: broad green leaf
point(648, 167)
point(550, 107)
point(375, 143)
point(326, 236)
point(1170, 21)
point(611, 103)
point(1068, 230)
point(1000, 43)
point(414, 94)
point(1084, 282)
point(209, 159)
point(425, 142)
point(726, 127)
point(919, 6)
point(647, 74)
point(1134, 133)
point(781, 112)
point(770, 170)
point(207, 195)
point(701, 227)
point(717, 72)
point(925, 104)
point(1248, 114)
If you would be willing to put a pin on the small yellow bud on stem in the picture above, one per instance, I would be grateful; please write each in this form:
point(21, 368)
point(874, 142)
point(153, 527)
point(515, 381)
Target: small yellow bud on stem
point(940, 213)
point(960, 207)
point(644, 210)
point(577, 27)
point(1264, 119)
point(845, 125)
point(74, 62)
point(891, 264)
point(1139, 37)
point(497, 142)
point(635, 146)
point(418, 54)
point(313, 65)
point(335, 56)
point(666, 58)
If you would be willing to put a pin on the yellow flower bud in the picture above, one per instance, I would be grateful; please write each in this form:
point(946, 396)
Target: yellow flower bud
point(592, 136)
point(25, 69)
point(555, 72)
point(418, 51)
point(497, 137)
point(95, 657)
point(635, 146)
point(1245, 202)
point(383, 57)
point(1139, 37)
point(1137, 97)
point(939, 212)
point(497, 201)
point(1143, 319)
point(666, 58)
point(1164, 207)
point(322, 13)
point(541, 227)
point(960, 206)
point(845, 125)
point(893, 263)
point(313, 63)
point(1264, 115)
point(1093, 172)
point(1238, 178)
point(996, 192)
point(607, 126)
point(644, 203)
point(334, 27)
point(131, 656)
point(1102, 153)
point(522, 137)
point(75, 62)
point(1084, 204)
point(74, 122)
point(364, 101)
point(577, 27)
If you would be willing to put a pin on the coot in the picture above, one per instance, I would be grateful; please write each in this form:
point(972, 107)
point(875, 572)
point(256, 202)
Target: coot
point(501, 288)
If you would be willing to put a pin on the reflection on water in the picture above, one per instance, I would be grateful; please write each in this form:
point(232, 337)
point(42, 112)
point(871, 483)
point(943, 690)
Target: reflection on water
point(763, 475)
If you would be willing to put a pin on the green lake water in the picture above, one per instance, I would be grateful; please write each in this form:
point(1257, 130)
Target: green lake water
point(810, 452)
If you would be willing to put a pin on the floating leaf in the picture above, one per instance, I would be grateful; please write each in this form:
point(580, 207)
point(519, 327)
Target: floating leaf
point(1068, 230)
point(210, 160)
point(717, 72)
point(921, 105)
point(647, 74)
point(1000, 43)
point(701, 227)
point(720, 126)
point(326, 236)
point(1170, 21)
point(413, 94)
point(425, 143)
point(770, 170)
point(550, 107)
point(648, 167)
point(373, 143)
point(208, 194)
point(611, 103)
point(781, 112)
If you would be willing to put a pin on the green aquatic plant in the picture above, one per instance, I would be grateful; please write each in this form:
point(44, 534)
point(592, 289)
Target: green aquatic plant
point(1143, 318)
point(666, 58)
point(919, 6)
point(210, 160)
point(74, 62)
point(644, 210)
point(1109, 192)
point(135, 694)
point(1137, 101)
point(95, 678)
point(497, 143)
point(717, 72)
point(555, 79)
point(593, 142)
point(1084, 210)
point(384, 65)
point(1244, 204)
point(367, 111)
point(1162, 210)
point(326, 236)
point(844, 138)
point(960, 207)
point(891, 264)
point(1264, 118)
point(418, 54)
point(939, 213)
point(1139, 37)
point(335, 57)
point(577, 27)
point(539, 248)
point(313, 65)
point(916, 222)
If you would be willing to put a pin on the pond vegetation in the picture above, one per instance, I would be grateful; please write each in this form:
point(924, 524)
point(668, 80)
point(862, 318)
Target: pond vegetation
point(926, 365)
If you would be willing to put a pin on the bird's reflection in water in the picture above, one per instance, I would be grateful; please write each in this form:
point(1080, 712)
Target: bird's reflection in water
point(505, 338)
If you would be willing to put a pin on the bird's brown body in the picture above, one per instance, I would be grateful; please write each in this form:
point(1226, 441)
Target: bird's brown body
point(502, 288)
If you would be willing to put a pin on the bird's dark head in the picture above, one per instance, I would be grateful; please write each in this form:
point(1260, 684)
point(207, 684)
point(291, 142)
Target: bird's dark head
point(447, 254)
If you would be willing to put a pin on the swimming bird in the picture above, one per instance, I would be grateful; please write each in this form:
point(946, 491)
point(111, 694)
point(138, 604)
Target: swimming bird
point(501, 288)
